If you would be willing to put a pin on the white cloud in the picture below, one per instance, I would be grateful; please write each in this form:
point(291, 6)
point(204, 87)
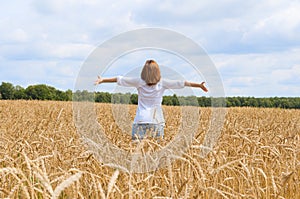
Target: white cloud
point(60, 74)
point(251, 42)
point(261, 74)
point(278, 28)
point(19, 35)
point(289, 76)
point(45, 50)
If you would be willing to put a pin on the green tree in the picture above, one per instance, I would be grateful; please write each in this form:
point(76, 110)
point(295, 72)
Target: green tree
point(34, 92)
point(125, 98)
point(192, 101)
point(7, 90)
point(99, 97)
point(236, 101)
point(69, 95)
point(62, 96)
point(20, 93)
point(228, 102)
point(253, 102)
point(41, 92)
point(202, 101)
point(107, 97)
point(116, 98)
point(266, 102)
point(76, 96)
point(175, 101)
point(134, 99)
point(167, 100)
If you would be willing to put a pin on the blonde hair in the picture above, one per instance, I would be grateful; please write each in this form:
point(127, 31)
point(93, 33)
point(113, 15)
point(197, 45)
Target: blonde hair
point(151, 73)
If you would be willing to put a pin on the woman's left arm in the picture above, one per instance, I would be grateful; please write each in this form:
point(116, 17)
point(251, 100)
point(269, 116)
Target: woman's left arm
point(192, 84)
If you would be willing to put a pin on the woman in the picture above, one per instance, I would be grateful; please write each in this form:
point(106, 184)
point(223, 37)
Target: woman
point(149, 115)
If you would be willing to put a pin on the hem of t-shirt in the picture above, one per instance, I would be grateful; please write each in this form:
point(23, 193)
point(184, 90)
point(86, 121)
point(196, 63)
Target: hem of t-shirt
point(149, 122)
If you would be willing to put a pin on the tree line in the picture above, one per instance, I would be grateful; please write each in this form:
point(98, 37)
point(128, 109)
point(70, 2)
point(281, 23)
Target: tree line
point(34, 92)
point(44, 92)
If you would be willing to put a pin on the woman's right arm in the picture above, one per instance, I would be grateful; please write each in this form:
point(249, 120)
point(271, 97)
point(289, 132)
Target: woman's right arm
point(121, 81)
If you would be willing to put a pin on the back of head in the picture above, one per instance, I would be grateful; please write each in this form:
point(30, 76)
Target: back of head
point(151, 73)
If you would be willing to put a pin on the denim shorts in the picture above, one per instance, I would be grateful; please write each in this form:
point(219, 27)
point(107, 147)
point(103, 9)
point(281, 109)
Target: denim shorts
point(143, 130)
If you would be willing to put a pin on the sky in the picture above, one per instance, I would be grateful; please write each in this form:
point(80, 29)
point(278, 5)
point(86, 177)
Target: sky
point(254, 45)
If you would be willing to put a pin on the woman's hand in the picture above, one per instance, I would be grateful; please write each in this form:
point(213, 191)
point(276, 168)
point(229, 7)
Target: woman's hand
point(203, 87)
point(105, 80)
point(193, 84)
point(99, 80)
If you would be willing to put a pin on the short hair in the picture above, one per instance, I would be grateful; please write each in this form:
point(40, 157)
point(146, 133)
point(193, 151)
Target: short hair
point(151, 73)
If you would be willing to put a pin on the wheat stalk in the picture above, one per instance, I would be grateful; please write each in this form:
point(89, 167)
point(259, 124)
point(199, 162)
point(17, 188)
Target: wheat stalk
point(66, 183)
point(256, 154)
point(112, 182)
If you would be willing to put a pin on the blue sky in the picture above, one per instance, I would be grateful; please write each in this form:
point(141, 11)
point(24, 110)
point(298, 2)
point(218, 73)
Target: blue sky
point(255, 45)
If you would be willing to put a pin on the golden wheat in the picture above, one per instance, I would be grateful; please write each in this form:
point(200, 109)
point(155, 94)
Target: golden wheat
point(42, 155)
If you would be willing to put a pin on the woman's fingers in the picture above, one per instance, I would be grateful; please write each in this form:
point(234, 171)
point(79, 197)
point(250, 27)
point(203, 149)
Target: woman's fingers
point(98, 80)
point(203, 87)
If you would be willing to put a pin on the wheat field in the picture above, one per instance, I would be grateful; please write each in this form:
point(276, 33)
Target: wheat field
point(42, 156)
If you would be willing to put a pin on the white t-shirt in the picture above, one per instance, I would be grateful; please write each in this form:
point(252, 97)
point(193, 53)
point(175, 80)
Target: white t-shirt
point(149, 97)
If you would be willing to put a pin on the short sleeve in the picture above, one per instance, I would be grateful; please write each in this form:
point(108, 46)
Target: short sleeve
point(129, 81)
point(172, 84)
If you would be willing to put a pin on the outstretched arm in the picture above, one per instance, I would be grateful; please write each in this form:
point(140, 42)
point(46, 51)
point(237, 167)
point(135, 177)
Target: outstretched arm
point(105, 80)
point(193, 84)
